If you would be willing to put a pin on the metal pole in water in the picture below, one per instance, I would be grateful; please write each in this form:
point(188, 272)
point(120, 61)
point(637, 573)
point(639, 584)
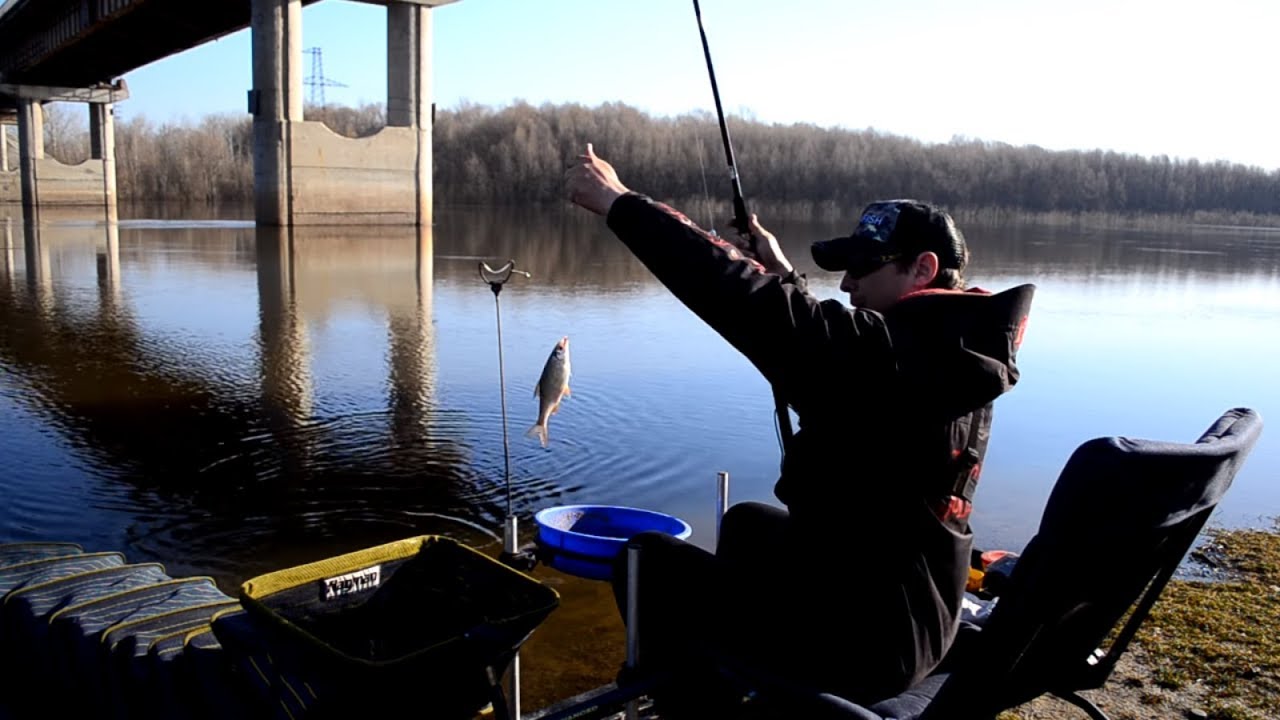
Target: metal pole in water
point(510, 535)
point(633, 620)
point(511, 543)
point(722, 500)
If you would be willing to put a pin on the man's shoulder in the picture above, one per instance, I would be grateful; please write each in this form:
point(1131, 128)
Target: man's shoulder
point(979, 304)
point(978, 317)
point(935, 294)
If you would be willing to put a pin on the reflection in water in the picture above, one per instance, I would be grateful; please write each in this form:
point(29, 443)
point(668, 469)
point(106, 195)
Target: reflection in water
point(6, 253)
point(576, 249)
point(282, 338)
point(37, 260)
point(1099, 256)
point(219, 462)
point(560, 250)
point(412, 355)
point(109, 269)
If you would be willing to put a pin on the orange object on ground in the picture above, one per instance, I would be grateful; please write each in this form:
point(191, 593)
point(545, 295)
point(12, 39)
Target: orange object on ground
point(975, 580)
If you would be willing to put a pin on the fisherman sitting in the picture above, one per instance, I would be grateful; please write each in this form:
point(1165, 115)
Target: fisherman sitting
point(894, 398)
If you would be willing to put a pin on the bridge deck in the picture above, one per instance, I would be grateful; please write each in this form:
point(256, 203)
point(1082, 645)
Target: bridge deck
point(81, 44)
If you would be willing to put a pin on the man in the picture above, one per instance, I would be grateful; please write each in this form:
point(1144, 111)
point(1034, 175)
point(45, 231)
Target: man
point(894, 401)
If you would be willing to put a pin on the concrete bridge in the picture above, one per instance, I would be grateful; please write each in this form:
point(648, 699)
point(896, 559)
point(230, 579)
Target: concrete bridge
point(303, 174)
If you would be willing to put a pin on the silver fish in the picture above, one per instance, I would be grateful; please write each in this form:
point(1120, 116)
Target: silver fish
point(552, 387)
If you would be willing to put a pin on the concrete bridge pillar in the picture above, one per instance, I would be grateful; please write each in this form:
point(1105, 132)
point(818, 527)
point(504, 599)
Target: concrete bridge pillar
point(102, 146)
point(409, 91)
point(44, 181)
point(30, 151)
point(276, 103)
point(305, 174)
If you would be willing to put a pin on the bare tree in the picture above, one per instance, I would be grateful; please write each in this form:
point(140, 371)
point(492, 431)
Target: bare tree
point(66, 133)
point(516, 155)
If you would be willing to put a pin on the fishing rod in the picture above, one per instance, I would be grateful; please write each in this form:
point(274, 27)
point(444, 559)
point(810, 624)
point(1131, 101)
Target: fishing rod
point(741, 219)
point(740, 216)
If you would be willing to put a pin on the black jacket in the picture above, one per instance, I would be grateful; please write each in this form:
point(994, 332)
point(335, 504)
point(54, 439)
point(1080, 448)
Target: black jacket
point(894, 409)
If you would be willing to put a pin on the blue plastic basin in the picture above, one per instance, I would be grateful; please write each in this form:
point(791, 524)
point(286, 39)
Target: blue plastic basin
point(597, 533)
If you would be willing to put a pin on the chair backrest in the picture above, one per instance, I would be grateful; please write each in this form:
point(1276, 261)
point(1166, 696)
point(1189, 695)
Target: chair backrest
point(1119, 521)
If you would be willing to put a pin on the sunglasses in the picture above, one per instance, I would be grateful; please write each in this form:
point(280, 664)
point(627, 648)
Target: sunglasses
point(868, 265)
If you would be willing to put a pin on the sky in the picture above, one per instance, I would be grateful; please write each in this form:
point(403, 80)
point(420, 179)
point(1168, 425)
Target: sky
point(1148, 77)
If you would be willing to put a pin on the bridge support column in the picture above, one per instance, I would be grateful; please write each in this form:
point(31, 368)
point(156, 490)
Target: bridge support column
point(30, 151)
point(304, 174)
point(409, 91)
point(276, 103)
point(102, 146)
point(4, 148)
point(46, 181)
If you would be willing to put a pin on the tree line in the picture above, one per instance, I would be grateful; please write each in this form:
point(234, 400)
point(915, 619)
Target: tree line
point(516, 155)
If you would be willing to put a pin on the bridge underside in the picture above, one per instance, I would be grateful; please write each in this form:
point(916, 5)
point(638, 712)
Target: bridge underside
point(46, 45)
point(48, 42)
point(73, 50)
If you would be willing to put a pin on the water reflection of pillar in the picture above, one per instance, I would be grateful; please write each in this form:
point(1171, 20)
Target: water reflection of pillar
point(412, 350)
point(37, 260)
point(6, 257)
point(109, 268)
point(284, 354)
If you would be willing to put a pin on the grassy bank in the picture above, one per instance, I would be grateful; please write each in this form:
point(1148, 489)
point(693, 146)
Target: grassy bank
point(1222, 635)
point(1209, 649)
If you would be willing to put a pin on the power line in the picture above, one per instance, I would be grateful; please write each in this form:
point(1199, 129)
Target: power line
point(317, 81)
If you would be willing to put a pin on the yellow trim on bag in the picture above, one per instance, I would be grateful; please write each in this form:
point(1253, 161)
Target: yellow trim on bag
point(182, 634)
point(290, 578)
point(214, 618)
point(399, 550)
point(126, 624)
point(59, 558)
point(166, 651)
point(186, 639)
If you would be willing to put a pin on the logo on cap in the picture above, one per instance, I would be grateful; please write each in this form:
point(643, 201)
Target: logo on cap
point(878, 221)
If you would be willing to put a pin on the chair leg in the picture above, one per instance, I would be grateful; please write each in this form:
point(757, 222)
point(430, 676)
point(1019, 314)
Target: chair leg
point(1090, 709)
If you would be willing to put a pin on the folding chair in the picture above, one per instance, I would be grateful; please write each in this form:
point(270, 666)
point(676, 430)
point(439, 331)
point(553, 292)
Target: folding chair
point(1122, 516)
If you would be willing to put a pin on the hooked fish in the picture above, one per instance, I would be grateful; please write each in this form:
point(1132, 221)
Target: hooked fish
point(552, 387)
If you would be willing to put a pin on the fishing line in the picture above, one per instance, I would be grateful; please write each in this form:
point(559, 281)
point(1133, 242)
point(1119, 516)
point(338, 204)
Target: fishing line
point(706, 193)
point(782, 416)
